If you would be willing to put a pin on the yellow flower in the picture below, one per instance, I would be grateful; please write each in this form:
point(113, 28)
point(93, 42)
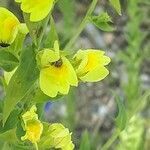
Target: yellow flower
point(61, 137)
point(32, 126)
point(57, 73)
point(8, 27)
point(38, 9)
point(90, 65)
point(56, 136)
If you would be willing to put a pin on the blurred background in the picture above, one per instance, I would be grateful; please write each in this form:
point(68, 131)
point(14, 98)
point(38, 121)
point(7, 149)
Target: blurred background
point(90, 110)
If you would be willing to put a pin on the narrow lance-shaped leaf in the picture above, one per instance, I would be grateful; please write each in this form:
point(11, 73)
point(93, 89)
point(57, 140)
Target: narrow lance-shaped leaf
point(7, 60)
point(11, 121)
point(37, 96)
point(102, 21)
point(36, 29)
point(6, 146)
point(85, 142)
point(121, 119)
point(52, 35)
point(19, 130)
point(21, 82)
point(9, 136)
point(116, 5)
point(71, 109)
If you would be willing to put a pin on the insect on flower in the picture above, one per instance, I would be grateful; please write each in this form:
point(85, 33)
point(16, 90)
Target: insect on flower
point(56, 72)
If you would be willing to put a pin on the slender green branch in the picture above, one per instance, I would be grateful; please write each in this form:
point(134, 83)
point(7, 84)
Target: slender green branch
point(82, 25)
point(36, 146)
point(111, 140)
point(43, 31)
point(117, 133)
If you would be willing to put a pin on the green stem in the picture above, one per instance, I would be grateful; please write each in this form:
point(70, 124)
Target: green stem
point(43, 31)
point(111, 140)
point(117, 133)
point(82, 25)
point(36, 29)
point(139, 105)
point(36, 146)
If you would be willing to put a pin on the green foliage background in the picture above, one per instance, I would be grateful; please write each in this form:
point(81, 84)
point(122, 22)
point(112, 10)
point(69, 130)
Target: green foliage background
point(127, 86)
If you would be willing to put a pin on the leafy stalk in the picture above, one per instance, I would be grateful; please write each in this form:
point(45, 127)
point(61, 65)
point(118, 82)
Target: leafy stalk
point(134, 111)
point(111, 140)
point(82, 25)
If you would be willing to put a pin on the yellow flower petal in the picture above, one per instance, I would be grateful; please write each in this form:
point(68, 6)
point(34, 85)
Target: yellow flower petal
point(72, 78)
point(90, 65)
point(8, 26)
point(57, 79)
point(30, 115)
point(46, 56)
point(56, 74)
point(38, 9)
point(33, 131)
point(95, 75)
point(32, 125)
point(61, 137)
point(47, 85)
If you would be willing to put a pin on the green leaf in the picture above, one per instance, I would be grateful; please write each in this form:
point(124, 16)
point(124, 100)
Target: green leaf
point(116, 5)
point(19, 131)
point(1, 105)
point(70, 101)
point(11, 121)
point(22, 146)
point(102, 22)
point(21, 82)
point(132, 138)
point(6, 146)
point(37, 96)
point(85, 142)
point(7, 60)
point(52, 35)
point(36, 29)
point(1, 114)
point(121, 119)
point(9, 136)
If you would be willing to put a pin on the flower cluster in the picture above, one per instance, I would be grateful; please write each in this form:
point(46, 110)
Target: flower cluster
point(57, 73)
point(44, 135)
